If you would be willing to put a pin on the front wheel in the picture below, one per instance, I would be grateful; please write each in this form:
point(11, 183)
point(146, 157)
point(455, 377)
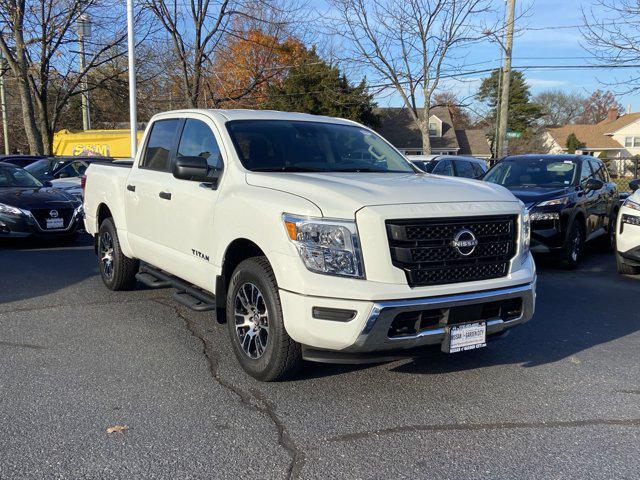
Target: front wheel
point(573, 245)
point(118, 271)
point(256, 326)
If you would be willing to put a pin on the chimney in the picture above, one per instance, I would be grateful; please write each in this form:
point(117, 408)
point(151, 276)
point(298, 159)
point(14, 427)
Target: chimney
point(612, 114)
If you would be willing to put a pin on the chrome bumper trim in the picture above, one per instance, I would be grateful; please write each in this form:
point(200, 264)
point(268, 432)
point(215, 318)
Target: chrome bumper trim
point(374, 335)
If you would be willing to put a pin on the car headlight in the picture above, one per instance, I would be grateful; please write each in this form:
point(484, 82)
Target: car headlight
point(541, 216)
point(631, 204)
point(9, 210)
point(326, 246)
point(554, 202)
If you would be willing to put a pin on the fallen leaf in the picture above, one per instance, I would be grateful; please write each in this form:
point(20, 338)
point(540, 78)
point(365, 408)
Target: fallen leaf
point(117, 428)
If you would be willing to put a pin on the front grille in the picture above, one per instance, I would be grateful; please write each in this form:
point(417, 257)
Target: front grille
point(41, 215)
point(424, 249)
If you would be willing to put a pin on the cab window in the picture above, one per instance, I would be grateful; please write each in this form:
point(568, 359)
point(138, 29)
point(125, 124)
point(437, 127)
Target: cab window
point(198, 141)
point(157, 155)
point(444, 167)
point(464, 169)
point(599, 171)
point(585, 172)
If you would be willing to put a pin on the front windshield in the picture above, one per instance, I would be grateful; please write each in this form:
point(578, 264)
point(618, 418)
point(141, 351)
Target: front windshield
point(297, 146)
point(40, 168)
point(533, 172)
point(17, 177)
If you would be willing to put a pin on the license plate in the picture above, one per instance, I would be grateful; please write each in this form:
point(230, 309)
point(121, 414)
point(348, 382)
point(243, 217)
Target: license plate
point(54, 223)
point(466, 337)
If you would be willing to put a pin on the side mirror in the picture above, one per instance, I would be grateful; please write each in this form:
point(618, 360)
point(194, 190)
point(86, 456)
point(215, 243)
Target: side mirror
point(194, 169)
point(47, 184)
point(634, 185)
point(593, 184)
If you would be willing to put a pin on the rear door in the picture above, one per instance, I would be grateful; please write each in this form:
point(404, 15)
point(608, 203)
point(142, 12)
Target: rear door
point(148, 193)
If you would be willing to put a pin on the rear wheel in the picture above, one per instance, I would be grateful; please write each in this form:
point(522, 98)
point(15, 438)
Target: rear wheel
point(624, 268)
point(256, 326)
point(573, 245)
point(118, 271)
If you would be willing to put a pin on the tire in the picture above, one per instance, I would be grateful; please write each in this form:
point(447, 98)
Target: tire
point(118, 272)
point(608, 241)
point(625, 269)
point(253, 303)
point(573, 246)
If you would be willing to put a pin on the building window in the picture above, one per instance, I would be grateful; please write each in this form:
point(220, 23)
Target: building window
point(433, 129)
point(628, 142)
point(636, 141)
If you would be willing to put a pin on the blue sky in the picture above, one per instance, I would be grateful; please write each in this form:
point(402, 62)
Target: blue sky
point(550, 44)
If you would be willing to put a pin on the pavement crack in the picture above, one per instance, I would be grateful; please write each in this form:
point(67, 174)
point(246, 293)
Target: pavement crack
point(254, 399)
point(633, 422)
point(22, 345)
point(85, 304)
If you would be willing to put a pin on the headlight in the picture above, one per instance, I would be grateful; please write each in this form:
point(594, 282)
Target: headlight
point(631, 204)
point(525, 236)
point(538, 216)
point(555, 201)
point(326, 246)
point(9, 210)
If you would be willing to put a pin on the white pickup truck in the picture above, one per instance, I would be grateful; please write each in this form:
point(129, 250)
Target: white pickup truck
point(312, 238)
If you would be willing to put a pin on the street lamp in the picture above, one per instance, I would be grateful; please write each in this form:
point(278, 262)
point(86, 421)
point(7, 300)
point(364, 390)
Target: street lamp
point(84, 31)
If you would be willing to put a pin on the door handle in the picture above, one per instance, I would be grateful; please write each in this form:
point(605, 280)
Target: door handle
point(131, 188)
point(165, 195)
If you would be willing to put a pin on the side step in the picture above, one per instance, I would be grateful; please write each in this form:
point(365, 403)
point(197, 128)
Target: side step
point(187, 294)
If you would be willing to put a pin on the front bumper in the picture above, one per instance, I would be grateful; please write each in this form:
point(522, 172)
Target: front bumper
point(369, 331)
point(13, 226)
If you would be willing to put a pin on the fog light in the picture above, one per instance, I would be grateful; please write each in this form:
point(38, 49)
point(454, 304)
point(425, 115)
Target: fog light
point(631, 220)
point(541, 216)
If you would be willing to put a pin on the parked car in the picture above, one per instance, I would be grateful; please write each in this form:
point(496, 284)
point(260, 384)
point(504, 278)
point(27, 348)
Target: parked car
point(570, 197)
point(628, 233)
point(451, 165)
point(20, 160)
point(29, 207)
point(306, 251)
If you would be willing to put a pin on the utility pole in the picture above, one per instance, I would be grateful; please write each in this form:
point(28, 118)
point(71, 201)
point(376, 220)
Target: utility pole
point(84, 31)
point(3, 103)
point(133, 116)
point(502, 148)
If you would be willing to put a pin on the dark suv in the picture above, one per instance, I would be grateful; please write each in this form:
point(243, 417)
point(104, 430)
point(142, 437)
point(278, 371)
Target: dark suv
point(571, 200)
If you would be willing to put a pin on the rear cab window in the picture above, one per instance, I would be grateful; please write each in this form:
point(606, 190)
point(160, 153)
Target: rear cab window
point(160, 145)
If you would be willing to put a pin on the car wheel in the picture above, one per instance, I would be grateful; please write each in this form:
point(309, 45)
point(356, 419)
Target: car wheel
point(256, 326)
point(625, 269)
point(573, 245)
point(118, 271)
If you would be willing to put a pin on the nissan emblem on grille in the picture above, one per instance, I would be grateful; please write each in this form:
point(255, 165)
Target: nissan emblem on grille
point(464, 242)
point(53, 213)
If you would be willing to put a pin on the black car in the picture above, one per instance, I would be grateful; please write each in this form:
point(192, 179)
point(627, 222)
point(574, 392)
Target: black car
point(29, 207)
point(451, 165)
point(55, 168)
point(20, 160)
point(571, 200)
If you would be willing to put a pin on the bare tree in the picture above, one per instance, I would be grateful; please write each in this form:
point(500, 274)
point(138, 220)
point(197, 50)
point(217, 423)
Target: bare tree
point(39, 40)
point(560, 107)
point(611, 35)
point(408, 44)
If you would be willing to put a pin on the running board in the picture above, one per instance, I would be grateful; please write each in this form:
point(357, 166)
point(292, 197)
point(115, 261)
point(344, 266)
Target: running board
point(187, 294)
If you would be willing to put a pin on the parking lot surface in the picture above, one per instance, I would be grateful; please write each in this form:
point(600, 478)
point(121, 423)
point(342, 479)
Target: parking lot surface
point(559, 397)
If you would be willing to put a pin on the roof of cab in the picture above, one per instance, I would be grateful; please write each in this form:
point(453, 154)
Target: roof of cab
point(246, 114)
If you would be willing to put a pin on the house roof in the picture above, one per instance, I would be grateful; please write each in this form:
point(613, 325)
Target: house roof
point(621, 122)
point(397, 126)
point(473, 141)
point(593, 136)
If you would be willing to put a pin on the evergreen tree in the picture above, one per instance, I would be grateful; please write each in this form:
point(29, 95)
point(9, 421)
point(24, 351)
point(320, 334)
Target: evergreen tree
point(314, 86)
point(523, 113)
point(574, 144)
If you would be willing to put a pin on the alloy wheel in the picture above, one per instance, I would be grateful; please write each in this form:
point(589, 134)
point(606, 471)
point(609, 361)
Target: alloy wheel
point(252, 320)
point(106, 254)
point(576, 245)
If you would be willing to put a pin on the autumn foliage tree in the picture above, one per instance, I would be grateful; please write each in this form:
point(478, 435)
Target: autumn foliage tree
point(248, 65)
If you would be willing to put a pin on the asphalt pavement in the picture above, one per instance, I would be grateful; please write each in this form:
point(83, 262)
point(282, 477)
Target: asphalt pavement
point(557, 398)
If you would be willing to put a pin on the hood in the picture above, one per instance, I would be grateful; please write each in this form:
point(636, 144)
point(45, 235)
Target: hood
point(531, 196)
point(340, 194)
point(30, 198)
